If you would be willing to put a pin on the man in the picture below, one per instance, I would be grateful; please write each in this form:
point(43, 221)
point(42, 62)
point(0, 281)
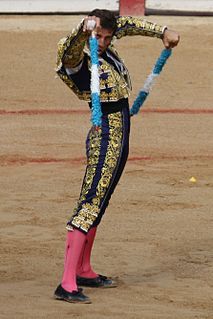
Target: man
point(107, 148)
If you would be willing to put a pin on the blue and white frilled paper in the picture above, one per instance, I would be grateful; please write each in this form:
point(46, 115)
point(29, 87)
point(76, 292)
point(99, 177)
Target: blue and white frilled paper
point(144, 92)
point(95, 83)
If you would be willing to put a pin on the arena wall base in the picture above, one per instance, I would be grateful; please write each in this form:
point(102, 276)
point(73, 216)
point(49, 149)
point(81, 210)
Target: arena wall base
point(179, 7)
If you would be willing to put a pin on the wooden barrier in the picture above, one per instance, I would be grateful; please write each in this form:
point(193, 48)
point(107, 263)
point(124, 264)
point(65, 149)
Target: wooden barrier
point(132, 7)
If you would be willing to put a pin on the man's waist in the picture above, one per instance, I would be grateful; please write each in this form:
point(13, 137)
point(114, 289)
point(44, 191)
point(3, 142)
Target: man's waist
point(113, 107)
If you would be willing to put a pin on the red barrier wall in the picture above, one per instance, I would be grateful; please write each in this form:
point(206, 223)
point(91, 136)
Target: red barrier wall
point(132, 7)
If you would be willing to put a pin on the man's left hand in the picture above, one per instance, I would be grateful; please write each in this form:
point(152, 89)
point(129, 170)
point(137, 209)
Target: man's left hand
point(170, 39)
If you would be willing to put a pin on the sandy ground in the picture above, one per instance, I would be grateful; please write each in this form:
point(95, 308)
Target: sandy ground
point(156, 236)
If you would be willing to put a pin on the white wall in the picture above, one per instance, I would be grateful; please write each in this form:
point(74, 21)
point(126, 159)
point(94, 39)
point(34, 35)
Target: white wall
point(9, 6)
point(24, 6)
point(181, 5)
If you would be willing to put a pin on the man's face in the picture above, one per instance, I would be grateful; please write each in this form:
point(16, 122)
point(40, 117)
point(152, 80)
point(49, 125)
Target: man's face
point(104, 37)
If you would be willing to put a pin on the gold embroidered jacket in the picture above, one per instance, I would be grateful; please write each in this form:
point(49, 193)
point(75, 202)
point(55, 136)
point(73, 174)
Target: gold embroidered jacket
point(73, 52)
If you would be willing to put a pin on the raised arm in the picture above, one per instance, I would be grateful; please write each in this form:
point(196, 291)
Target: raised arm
point(138, 26)
point(70, 49)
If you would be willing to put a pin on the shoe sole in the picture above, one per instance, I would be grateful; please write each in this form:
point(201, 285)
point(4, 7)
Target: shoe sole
point(100, 287)
point(72, 301)
point(110, 286)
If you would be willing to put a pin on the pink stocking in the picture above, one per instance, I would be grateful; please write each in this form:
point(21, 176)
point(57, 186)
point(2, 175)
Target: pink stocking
point(84, 266)
point(74, 245)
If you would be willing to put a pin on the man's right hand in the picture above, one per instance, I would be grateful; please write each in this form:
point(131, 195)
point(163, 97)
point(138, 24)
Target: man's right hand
point(91, 23)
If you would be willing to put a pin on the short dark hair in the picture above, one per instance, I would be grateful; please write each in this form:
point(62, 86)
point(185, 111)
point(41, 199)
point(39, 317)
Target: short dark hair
point(107, 18)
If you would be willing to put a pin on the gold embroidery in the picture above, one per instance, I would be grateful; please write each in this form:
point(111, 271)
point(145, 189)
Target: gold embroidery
point(89, 211)
point(104, 96)
point(70, 49)
point(93, 158)
point(115, 80)
point(86, 216)
point(104, 67)
point(137, 26)
point(113, 94)
point(112, 155)
point(94, 153)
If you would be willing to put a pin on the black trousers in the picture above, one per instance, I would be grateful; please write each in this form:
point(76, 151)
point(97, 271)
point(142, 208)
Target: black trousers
point(107, 152)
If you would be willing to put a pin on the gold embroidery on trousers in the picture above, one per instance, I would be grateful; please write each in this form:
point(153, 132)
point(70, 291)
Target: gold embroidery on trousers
point(90, 211)
point(93, 158)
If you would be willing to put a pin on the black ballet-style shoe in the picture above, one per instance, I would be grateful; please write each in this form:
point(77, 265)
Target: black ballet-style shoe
point(98, 282)
point(73, 297)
